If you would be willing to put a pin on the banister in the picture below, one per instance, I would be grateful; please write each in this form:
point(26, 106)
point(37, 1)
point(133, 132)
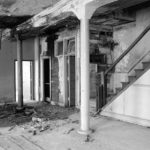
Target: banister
point(128, 49)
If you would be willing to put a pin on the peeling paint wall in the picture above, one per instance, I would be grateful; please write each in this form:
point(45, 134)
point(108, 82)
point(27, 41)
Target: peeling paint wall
point(61, 79)
point(62, 68)
point(7, 60)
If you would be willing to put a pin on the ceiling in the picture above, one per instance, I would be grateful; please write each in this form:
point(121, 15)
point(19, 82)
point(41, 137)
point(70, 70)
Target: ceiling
point(14, 12)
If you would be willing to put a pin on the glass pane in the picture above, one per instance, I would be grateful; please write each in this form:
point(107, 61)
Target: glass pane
point(71, 46)
point(60, 48)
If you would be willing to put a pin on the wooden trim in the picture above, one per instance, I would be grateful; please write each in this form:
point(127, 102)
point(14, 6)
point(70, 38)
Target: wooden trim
point(50, 90)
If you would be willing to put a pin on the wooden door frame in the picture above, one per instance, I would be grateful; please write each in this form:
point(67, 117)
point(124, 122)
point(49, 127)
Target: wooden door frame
point(42, 90)
point(66, 64)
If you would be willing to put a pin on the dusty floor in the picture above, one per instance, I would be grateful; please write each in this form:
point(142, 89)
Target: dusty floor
point(55, 128)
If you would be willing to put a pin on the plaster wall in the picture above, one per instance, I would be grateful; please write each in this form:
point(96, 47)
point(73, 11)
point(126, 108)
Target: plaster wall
point(7, 66)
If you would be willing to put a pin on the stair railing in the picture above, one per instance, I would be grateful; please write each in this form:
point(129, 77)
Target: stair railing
point(104, 82)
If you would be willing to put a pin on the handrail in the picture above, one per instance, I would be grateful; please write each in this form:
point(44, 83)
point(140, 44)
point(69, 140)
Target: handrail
point(128, 49)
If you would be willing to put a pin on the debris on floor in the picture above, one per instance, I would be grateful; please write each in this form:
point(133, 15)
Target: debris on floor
point(38, 118)
point(69, 131)
point(88, 139)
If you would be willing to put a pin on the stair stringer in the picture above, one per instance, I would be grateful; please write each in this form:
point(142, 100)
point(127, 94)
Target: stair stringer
point(133, 102)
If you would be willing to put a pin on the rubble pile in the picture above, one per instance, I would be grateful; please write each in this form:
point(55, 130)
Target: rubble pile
point(37, 118)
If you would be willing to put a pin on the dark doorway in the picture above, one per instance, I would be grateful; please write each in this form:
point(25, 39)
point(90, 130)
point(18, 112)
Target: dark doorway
point(71, 80)
point(47, 79)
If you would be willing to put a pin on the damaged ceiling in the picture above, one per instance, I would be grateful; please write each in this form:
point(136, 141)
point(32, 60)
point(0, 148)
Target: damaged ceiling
point(14, 12)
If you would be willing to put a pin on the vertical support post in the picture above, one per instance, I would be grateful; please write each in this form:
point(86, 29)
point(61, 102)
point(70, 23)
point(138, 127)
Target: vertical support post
point(19, 73)
point(42, 79)
point(37, 68)
point(105, 89)
point(103, 84)
point(84, 63)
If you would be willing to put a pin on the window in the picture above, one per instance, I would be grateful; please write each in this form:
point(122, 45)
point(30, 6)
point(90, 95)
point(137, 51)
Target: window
point(71, 46)
point(59, 48)
point(65, 46)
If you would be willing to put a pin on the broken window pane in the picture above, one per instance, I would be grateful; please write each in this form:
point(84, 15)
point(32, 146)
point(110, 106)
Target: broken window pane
point(71, 46)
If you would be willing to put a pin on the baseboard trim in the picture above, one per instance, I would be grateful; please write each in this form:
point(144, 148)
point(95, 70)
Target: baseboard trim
point(126, 118)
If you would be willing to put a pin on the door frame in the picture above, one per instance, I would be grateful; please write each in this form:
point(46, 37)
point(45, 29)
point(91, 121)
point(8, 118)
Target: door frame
point(42, 89)
point(31, 80)
point(66, 55)
point(67, 79)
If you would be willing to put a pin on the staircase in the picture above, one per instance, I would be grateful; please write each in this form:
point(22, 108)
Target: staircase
point(135, 72)
point(131, 79)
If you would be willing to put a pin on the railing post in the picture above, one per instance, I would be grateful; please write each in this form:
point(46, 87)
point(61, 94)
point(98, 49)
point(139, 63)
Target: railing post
point(104, 88)
point(101, 91)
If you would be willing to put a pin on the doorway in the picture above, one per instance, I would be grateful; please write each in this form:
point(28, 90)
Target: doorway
point(47, 78)
point(71, 80)
point(27, 69)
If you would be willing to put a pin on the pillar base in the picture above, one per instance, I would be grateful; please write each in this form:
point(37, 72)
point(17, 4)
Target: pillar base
point(19, 109)
point(84, 132)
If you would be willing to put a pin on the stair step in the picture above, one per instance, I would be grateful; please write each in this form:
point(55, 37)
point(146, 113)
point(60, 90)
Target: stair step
point(131, 78)
point(145, 64)
point(111, 96)
point(138, 71)
point(118, 90)
point(124, 84)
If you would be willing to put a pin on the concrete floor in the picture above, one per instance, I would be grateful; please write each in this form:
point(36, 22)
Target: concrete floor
point(109, 135)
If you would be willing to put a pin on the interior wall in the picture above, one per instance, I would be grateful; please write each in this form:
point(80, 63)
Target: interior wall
point(8, 56)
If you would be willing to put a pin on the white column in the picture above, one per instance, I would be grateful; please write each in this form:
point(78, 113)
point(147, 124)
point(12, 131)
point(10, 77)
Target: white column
point(84, 63)
point(19, 73)
point(37, 68)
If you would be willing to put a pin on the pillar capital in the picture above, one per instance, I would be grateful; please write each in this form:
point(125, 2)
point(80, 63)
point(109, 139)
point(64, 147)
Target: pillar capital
point(83, 12)
point(85, 9)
